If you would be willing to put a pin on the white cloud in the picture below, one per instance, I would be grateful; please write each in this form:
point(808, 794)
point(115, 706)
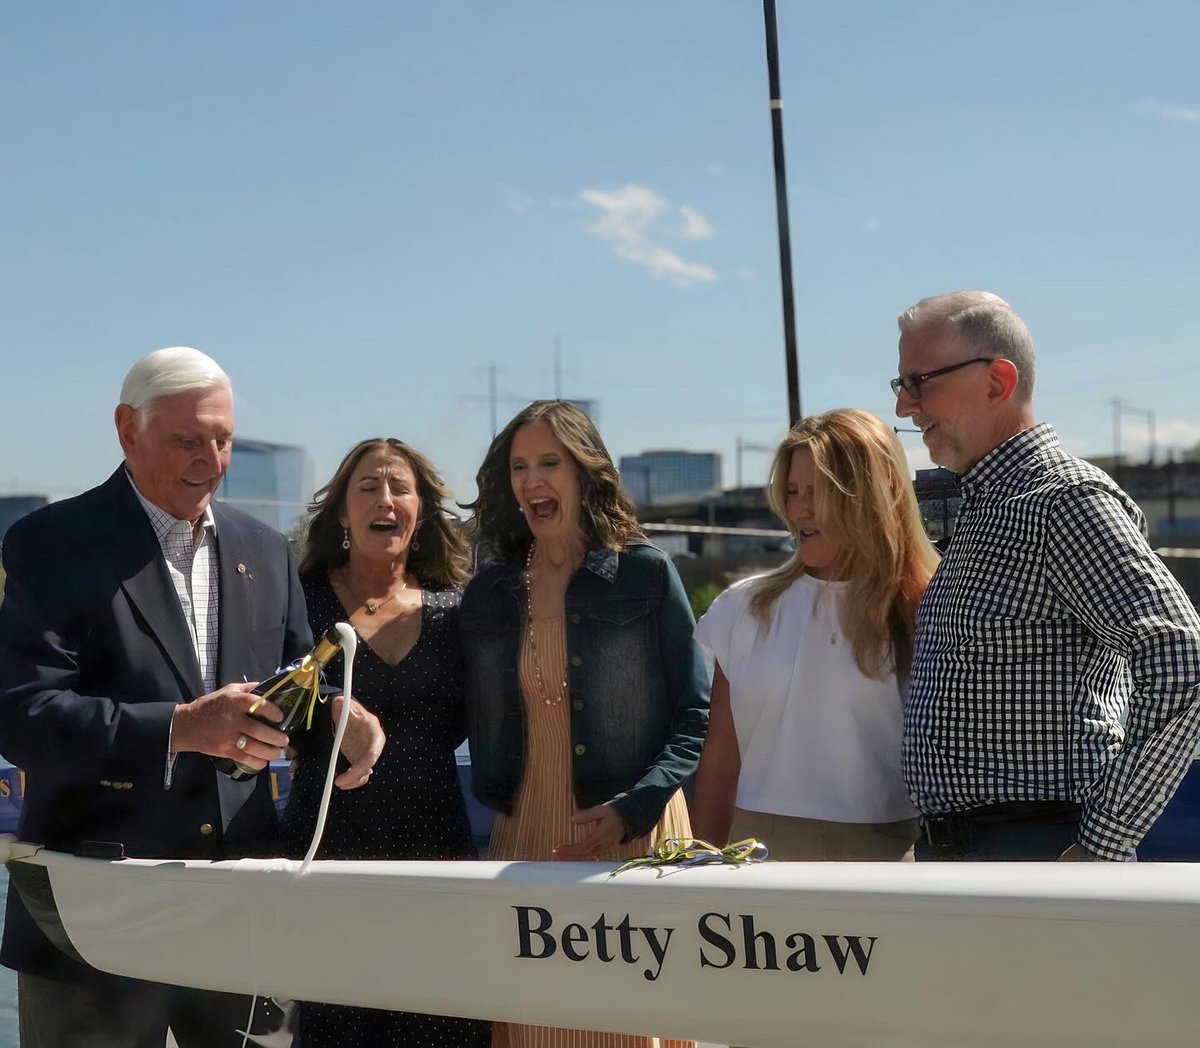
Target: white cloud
point(1167, 111)
point(1178, 432)
point(630, 222)
point(915, 451)
point(695, 225)
point(1168, 433)
point(871, 225)
point(665, 263)
point(1180, 113)
point(626, 211)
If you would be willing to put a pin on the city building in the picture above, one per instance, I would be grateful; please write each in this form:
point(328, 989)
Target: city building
point(14, 507)
point(591, 408)
point(655, 478)
point(938, 497)
point(271, 482)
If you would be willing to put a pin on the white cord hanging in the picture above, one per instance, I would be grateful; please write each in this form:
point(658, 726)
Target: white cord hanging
point(349, 646)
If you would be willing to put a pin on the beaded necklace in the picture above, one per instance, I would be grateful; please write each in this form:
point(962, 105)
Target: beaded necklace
point(533, 648)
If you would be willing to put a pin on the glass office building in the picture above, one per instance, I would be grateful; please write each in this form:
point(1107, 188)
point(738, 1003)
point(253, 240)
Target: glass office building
point(14, 507)
point(271, 482)
point(656, 478)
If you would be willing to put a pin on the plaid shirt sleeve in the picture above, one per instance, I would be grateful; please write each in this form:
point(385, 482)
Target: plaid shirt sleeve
point(1102, 569)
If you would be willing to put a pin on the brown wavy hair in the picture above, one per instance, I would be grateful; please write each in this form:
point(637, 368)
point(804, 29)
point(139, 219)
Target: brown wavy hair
point(439, 557)
point(864, 501)
point(607, 515)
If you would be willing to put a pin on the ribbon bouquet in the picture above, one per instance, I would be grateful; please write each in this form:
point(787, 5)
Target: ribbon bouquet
point(689, 851)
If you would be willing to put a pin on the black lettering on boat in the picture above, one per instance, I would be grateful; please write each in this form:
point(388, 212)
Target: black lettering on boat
point(658, 949)
point(853, 946)
point(805, 957)
point(602, 929)
point(525, 931)
point(575, 935)
point(752, 939)
point(714, 938)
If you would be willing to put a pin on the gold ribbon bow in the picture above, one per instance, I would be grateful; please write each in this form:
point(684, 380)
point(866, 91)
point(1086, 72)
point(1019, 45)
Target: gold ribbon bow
point(314, 692)
point(690, 851)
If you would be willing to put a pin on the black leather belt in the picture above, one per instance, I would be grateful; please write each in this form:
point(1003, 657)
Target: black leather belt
point(958, 827)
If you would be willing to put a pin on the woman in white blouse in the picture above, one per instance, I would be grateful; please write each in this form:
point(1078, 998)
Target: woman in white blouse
point(803, 747)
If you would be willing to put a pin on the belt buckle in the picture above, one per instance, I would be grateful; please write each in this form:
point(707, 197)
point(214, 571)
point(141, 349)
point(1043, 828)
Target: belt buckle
point(941, 831)
point(927, 825)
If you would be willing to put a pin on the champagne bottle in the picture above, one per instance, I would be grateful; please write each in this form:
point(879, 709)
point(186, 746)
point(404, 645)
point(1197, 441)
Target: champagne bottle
point(293, 689)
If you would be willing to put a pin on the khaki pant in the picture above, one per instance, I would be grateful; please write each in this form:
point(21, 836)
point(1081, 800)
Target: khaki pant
point(811, 840)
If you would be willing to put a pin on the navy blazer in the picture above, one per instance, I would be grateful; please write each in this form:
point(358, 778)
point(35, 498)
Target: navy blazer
point(95, 654)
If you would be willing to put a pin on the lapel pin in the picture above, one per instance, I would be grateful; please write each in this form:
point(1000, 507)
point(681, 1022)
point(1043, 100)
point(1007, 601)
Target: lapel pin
point(242, 571)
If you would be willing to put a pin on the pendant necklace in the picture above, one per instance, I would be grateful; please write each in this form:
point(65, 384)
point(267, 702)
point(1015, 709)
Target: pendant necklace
point(533, 648)
point(817, 602)
point(370, 606)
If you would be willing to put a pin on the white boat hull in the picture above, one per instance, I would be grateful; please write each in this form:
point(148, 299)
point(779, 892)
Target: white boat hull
point(784, 954)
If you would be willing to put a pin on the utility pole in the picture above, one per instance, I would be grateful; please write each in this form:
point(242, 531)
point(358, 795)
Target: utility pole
point(781, 213)
point(1121, 408)
point(1171, 488)
point(1116, 434)
point(745, 445)
point(492, 395)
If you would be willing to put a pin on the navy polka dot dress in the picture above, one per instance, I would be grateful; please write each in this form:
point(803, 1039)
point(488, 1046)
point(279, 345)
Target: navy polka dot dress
point(412, 808)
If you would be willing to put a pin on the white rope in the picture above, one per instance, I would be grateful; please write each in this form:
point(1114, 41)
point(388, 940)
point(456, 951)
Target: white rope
point(349, 646)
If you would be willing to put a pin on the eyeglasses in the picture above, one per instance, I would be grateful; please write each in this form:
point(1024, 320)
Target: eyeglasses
point(911, 384)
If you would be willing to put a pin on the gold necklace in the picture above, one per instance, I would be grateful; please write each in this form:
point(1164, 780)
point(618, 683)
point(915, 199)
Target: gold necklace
point(370, 606)
point(533, 648)
point(373, 606)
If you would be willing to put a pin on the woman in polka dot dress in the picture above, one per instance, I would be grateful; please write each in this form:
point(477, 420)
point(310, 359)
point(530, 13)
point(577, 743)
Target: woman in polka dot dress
point(382, 556)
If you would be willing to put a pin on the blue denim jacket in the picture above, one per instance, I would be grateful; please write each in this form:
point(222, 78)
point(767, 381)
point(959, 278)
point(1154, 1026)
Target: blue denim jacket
point(637, 683)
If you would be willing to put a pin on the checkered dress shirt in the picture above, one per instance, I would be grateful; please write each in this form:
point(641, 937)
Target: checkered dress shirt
point(192, 564)
point(1056, 657)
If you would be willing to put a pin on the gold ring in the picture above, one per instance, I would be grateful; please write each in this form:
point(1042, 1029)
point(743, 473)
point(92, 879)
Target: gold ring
point(241, 742)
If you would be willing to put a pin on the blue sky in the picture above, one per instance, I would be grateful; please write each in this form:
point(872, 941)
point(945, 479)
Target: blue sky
point(358, 207)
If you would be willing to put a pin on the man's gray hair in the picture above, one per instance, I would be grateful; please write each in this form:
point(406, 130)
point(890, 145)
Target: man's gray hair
point(983, 325)
point(177, 369)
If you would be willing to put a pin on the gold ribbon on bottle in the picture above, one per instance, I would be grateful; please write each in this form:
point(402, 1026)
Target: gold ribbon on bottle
point(313, 688)
point(691, 851)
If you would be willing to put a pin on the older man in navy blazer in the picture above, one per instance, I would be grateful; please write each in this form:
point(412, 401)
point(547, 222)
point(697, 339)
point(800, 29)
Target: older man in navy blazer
point(135, 621)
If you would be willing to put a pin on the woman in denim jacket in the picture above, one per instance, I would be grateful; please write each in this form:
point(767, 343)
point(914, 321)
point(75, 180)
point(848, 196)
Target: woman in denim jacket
point(587, 696)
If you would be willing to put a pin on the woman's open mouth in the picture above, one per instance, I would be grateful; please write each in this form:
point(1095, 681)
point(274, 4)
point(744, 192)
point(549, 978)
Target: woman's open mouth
point(543, 508)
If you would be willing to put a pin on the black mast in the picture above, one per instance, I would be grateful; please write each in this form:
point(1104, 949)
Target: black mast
point(781, 210)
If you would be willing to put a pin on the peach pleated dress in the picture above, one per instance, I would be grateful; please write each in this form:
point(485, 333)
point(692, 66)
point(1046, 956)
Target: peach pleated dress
point(545, 803)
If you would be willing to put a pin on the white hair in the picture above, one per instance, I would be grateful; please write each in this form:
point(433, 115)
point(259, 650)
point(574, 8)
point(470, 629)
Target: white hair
point(981, 323)
point(167, 371)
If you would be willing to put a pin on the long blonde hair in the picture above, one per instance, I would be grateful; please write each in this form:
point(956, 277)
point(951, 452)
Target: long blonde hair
point(863, 501)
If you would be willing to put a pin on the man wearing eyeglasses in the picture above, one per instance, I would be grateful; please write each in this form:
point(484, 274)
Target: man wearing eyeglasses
point(1055, 692)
